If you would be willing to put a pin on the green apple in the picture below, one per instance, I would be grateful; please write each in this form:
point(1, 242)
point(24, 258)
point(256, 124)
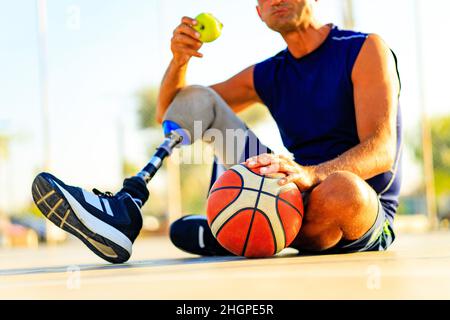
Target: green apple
point(208, 26)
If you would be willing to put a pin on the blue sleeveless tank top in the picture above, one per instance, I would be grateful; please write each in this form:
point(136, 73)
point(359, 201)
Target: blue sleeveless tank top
point(311, 99)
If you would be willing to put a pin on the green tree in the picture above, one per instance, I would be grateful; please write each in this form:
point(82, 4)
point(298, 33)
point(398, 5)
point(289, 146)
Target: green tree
point(440, 133)
point(147, 107)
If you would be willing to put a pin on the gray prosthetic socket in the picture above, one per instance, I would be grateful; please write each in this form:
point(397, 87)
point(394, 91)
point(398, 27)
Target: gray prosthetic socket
point(202, 105)
point(205, 115)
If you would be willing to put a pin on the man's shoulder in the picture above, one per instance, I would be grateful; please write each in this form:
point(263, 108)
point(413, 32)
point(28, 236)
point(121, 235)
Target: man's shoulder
point(344, 35)
point(347, 44)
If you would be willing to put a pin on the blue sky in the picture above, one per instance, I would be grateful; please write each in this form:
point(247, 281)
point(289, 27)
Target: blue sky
point(119, 47)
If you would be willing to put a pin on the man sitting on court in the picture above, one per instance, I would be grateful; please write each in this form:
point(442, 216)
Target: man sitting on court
point(334, 95)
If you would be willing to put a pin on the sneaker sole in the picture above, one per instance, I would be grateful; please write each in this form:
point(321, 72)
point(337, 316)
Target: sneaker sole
point(55, 207)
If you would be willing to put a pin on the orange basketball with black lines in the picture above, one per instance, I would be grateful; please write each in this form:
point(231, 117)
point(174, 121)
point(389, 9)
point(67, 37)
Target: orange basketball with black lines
point(251, 215)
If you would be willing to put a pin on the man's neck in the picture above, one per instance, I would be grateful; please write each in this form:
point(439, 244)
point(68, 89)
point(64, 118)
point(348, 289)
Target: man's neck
point(306, 39)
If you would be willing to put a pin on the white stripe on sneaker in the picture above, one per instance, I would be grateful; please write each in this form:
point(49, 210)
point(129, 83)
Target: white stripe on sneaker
point(201, 241)
point(108, 207)
point(96, 225)
point(194, 218)
point(92, 199)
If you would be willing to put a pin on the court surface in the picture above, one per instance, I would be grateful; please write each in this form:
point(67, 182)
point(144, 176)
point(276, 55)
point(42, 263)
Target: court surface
point(417, 267)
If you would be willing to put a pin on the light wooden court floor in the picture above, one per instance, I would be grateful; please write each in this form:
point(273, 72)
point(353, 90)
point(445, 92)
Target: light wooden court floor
point(417, 267)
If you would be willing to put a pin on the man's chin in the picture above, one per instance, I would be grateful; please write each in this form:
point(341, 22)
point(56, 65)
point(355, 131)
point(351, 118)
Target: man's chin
point(283, 24)
point(283, 28)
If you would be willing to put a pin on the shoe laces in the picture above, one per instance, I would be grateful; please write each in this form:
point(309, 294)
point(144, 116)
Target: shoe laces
point(106, 194)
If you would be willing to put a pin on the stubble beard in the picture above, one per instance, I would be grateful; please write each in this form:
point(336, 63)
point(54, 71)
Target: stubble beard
point(288, 24)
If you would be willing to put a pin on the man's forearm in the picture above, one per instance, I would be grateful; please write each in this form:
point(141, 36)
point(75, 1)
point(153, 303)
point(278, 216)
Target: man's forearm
point(173, 81)
point(367, 160)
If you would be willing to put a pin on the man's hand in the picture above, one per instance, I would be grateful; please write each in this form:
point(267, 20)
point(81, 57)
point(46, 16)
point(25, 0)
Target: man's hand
point(304, 177)
point(185, 42)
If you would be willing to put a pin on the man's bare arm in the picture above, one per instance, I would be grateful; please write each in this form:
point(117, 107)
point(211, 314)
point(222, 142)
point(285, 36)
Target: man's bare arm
point(376, 91)
point(184, 46)
point(173, 81)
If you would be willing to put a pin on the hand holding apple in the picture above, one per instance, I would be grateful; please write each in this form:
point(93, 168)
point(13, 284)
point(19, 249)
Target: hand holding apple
point(208, 26)
point(190, 35)
point(185, 42)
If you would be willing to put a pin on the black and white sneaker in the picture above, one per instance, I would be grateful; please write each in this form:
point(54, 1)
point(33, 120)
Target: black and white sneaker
point(193, 235)
point(108, 224)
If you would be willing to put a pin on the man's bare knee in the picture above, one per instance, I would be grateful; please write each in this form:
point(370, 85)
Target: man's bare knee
point(343, 191)
point(346, 200)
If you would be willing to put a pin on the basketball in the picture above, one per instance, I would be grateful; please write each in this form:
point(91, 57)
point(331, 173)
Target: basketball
point(251, 215)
